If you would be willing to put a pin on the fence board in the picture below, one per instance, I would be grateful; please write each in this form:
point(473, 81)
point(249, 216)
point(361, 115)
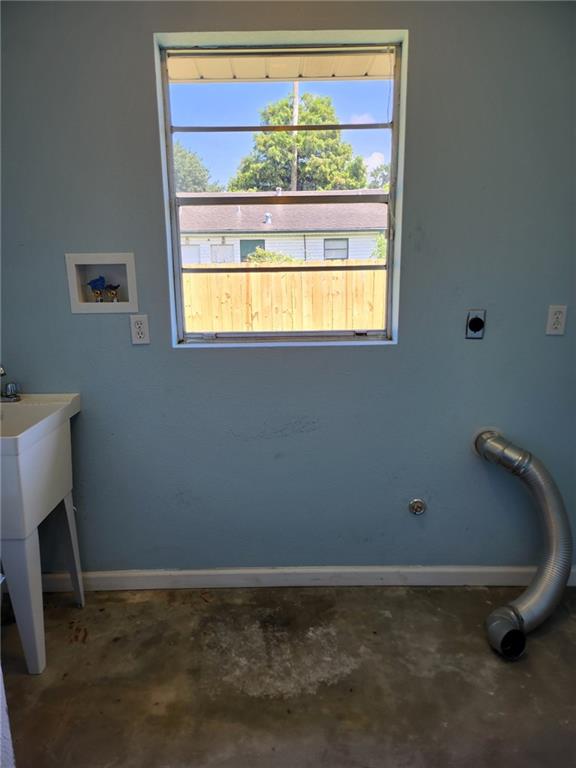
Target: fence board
point(311, 296)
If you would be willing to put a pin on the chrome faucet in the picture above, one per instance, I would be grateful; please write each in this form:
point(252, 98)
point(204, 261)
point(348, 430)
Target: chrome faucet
point(8, 394)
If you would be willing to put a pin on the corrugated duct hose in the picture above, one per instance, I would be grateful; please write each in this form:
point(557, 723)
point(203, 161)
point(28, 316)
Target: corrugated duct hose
point(508, 626)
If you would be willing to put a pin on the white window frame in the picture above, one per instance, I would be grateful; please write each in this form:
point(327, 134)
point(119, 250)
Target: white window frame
point(180, 340)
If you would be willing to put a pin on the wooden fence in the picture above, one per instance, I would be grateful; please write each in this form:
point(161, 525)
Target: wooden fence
point(305, 296)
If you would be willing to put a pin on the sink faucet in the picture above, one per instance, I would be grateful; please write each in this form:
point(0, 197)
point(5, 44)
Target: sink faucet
point(8, 394)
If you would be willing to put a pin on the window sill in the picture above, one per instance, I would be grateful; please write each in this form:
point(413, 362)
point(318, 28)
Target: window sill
point(268, 344)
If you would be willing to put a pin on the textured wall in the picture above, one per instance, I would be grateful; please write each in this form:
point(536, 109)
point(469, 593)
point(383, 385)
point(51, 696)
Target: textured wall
point(200, 458)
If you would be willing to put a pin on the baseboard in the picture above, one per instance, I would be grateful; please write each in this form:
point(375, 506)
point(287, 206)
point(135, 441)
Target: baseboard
point(320, 576)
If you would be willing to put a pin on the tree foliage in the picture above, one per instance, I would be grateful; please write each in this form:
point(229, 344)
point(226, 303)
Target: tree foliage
point(264, 256)
point(190, 173)
point(380, 177)
point(325, 161)
point(381, 247)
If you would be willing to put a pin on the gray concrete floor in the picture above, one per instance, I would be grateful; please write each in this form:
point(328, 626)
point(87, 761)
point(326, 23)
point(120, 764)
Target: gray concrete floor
point(291, 678)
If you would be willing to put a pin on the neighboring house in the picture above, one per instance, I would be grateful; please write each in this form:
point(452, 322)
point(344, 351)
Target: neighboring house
point(230, 233)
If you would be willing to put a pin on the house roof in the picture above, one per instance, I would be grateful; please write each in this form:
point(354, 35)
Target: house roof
point(293, 217)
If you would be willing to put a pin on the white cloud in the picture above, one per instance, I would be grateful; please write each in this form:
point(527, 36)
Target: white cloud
point(364, 117)
point(373, 161)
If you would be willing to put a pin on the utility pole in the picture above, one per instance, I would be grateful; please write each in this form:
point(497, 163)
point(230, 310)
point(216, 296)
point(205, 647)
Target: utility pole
point(295, 105)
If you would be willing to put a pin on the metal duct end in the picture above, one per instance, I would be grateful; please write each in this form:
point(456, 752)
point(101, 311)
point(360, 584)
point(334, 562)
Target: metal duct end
point(493, 447)
point(505, 633)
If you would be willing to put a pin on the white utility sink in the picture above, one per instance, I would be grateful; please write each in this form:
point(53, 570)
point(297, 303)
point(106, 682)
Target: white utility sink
point(24, 422)
point(36, 476)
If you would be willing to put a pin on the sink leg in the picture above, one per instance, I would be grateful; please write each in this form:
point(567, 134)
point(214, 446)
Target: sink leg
point(21, 562)
point(74, 566)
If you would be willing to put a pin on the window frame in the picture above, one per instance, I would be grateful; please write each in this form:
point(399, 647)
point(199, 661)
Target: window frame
point(337, 240)
point(262, 240)
point(266, 40)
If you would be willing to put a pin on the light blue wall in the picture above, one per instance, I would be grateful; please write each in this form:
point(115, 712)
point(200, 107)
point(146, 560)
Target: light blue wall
point(190, 459)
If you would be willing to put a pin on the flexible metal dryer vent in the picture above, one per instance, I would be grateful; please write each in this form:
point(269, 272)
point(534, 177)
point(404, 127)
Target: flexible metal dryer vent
point(507, 626)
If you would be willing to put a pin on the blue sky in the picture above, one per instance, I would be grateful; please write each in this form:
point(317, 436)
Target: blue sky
point(240, 104)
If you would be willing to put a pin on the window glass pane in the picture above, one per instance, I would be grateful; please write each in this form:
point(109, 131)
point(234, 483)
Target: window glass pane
point(266, 66)
point(299, 279)
point(336, 295)
point(355, 101)
point(335, 249)
point(250, 249)
point(264, 162)
point(296, 231)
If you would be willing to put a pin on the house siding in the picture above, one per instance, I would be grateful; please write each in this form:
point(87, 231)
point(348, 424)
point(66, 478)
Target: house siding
point(196, 249)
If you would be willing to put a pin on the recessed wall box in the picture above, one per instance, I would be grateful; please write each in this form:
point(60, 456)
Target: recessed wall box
point(475, 324)
point(117, 269)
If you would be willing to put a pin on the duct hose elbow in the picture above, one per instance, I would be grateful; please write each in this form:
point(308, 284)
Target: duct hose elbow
point(507, 626)
point(505, 633)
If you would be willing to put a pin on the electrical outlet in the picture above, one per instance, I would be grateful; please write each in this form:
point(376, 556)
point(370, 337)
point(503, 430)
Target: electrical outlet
point(556, 322)
point(139, 329)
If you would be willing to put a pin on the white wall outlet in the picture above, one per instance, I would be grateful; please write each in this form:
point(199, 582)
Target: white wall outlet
point(556, 322)
point(139, 329)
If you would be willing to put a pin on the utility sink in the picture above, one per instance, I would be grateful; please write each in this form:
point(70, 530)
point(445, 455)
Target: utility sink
point(36, 456)
point(24, 422)
point(36, 459)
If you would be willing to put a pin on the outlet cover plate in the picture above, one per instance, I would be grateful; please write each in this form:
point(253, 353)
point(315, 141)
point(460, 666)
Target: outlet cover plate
point(139, 329)
point(556, 323)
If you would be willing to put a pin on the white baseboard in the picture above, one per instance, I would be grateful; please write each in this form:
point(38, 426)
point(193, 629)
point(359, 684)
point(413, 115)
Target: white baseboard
point(320, 576)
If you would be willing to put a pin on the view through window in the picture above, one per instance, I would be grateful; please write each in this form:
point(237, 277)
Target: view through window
point(282, 186)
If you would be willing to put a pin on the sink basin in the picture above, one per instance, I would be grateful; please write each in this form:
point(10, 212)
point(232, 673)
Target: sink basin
point(25, 422)
point(36, 459)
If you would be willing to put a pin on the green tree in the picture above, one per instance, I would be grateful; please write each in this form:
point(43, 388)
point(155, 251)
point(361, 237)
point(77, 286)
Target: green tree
point(380, 177)
point(380, 247)
point(263, 256)
point(324, 160)
point(190, 173)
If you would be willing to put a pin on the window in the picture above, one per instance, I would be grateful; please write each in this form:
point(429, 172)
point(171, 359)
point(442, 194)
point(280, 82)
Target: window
point(248, 248)
point(336, 248)
point(222, 253)
point(190, 253)
point(282, 162)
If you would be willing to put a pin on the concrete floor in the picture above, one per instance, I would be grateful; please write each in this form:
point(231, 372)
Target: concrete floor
point(291, 678)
